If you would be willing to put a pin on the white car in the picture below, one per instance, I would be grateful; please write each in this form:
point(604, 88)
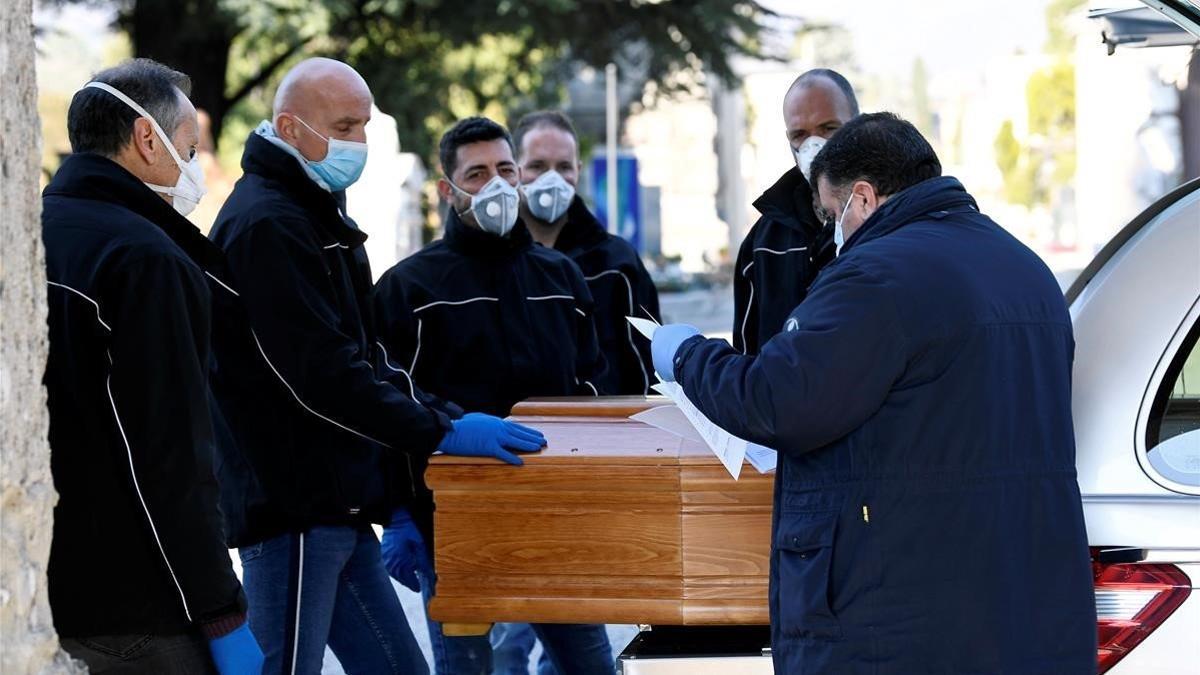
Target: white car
point(1136, 312)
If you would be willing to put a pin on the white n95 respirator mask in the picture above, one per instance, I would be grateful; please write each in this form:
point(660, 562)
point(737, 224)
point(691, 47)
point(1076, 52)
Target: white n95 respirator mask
point(189, 189)
point(806, 153)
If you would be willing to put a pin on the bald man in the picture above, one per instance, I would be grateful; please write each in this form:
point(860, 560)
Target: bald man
point(318, 446)
point(789, 244)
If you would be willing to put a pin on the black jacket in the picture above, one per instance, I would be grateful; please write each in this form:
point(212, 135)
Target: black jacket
point(137, 547)
point(316, 436)
point(777, 261)
point(620, 287)
point(486, 321)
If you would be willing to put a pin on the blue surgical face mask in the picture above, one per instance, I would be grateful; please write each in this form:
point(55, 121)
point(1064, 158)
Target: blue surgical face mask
point(343, 164)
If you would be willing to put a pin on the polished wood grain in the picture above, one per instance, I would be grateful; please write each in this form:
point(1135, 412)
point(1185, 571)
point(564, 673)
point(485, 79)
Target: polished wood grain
point(614, 522)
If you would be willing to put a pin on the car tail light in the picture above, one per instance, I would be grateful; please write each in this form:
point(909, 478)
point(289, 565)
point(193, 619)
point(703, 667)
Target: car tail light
point(1132, 600)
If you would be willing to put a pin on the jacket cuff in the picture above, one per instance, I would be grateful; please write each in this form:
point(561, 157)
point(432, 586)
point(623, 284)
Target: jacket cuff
point(682, 354)
point(443, 423)
point(222, 626)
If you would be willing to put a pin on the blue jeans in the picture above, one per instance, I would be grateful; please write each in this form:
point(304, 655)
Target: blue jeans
point(185, 654)
point(573, 649)
point(512, 644)
point(327, 586)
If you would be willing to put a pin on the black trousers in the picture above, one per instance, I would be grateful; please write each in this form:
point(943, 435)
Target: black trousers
point(136, 654)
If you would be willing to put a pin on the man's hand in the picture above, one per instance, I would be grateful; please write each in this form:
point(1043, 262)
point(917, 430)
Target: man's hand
point(665, 344)
point(479, 435)
point(237, 653)
point(404, 553)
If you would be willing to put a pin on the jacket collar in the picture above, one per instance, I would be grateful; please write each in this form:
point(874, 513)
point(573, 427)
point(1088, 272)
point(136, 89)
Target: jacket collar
point(264, 159)
point(789, 201)
point(931, 198)
point(473, 241)
point(91, 176)
point(582, 231)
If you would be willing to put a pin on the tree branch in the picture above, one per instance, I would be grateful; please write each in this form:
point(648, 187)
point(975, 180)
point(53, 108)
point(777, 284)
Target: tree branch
point(266, 72)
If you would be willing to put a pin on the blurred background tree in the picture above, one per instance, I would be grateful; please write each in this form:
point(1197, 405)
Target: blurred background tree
point(430, 62)
point(1040, 169)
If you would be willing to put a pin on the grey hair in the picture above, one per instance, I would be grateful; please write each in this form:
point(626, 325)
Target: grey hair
point(101, 123)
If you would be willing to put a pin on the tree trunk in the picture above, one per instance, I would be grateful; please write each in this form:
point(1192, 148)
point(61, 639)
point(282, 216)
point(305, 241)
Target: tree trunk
point(28, 643)
point(193, 38)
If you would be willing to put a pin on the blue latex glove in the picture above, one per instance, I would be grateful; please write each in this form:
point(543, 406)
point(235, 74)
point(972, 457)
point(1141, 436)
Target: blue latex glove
point(665, 344)
point(479, 435)
point(404, 553)
point(237, 653)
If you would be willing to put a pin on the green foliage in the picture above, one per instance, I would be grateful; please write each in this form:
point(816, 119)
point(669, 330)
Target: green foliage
point(1050, 95)
point(1060, 41)
point(1038, 169)
point(431, 61)
point(1020, 174)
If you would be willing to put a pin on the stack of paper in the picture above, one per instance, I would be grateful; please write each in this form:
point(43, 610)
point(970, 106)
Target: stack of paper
point(687, 421)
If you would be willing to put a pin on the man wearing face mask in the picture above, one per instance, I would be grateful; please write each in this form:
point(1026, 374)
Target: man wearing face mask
point(487, 319)
point(320, 445)
point(920, 401)
point(140, 579)
point(789, 244)
point(548, 154)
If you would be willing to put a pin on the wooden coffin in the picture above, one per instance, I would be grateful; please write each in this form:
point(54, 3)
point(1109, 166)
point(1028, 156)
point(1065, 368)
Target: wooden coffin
point(614, 522)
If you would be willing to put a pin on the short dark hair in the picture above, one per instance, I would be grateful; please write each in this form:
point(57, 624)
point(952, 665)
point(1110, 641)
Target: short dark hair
point(809, 77)
point(465, 132)
point(880, 148)
point(542, 118)
point(101, 123)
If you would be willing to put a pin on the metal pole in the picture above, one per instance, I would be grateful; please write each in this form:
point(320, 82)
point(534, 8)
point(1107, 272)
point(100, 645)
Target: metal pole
point(610, 160)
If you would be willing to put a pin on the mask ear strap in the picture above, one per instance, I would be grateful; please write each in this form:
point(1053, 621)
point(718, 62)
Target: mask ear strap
point(141, 111)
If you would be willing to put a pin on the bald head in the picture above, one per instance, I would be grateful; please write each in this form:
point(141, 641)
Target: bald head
point(818, 103)
point(320, 99)
point(319, 81)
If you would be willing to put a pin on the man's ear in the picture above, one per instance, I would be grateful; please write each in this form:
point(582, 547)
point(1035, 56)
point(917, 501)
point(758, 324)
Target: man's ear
point(445, 191)
point(145, 140)
point(874, 199)
point(285, 127)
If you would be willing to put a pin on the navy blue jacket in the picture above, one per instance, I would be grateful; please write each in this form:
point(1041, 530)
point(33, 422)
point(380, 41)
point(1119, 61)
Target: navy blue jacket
point(487, 322)
point(316, 437)
point(138, 546)
point(620, 287)
point(778, 260)
point(927, 517)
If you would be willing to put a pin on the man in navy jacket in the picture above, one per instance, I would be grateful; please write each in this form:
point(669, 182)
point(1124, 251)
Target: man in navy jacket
point(927, 517)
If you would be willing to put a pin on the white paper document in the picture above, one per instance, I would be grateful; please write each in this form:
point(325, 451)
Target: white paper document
point(728, 448)
point(684, 419)
point(762, 459)
point(644, 326)
point(669, 418)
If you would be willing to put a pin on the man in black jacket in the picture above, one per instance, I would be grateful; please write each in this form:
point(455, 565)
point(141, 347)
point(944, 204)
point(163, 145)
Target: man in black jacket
point(548, 154)
point(140, 578)
point(485, 318)
point(319, 445)
point(789, 244)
